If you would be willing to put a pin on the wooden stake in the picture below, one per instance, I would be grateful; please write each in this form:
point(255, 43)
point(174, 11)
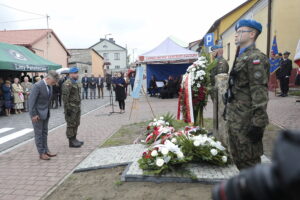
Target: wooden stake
point(148, 101)
point(133, 103)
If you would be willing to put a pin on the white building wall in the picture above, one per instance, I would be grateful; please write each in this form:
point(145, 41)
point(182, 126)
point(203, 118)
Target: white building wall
point(108, 50)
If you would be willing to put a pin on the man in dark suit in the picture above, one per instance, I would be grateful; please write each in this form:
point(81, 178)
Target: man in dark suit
point(39, 111)
point(286, 67)
point(92, 86)
point(100, 85)
point(85, 86)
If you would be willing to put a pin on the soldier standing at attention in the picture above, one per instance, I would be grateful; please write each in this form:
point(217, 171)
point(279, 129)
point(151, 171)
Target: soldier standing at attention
point(221, 67)
point(71, 99)
point(247, 97)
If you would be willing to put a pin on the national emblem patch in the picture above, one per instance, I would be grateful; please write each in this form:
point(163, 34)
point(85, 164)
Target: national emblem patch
point(256, 62)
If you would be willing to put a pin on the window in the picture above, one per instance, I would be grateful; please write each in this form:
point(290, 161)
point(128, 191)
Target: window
point(228, 51)
point(105, 55)
point(117, 67)
point(104, 46)
point(117, 56)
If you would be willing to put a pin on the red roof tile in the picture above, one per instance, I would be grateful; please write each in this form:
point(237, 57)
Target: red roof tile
point(26, 37)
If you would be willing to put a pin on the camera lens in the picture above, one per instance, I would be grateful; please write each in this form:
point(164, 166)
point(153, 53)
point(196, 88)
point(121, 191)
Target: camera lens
point(259, 183)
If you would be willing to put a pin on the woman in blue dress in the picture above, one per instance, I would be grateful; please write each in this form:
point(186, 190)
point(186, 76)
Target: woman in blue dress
point(7, 93)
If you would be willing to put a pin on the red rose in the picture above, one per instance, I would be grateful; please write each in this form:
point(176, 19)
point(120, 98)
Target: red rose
point(148, 127)
point(156, 132)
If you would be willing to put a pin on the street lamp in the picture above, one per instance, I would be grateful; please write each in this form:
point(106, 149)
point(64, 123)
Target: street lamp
point(106, 35)
point(133, 54)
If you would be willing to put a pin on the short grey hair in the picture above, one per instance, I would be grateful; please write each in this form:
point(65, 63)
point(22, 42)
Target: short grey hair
point(53, 75)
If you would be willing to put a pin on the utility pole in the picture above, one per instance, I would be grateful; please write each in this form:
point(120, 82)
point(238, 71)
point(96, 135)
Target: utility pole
point(48, 34)
point(133, 54)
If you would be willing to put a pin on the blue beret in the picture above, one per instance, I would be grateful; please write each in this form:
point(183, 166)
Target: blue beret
point(73, 70)
point(216, 47)
point(249, 23)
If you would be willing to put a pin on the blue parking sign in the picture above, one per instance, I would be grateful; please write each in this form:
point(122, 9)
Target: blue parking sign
point(209, 39)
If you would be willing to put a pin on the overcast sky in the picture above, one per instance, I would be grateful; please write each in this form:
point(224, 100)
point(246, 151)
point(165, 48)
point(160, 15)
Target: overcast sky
point(139, 24)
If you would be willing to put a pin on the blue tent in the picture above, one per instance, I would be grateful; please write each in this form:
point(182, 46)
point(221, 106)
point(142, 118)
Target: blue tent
point(163, 71)
point(167, 59)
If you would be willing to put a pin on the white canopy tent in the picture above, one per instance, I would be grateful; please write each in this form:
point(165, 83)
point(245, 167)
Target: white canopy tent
point(168, 51)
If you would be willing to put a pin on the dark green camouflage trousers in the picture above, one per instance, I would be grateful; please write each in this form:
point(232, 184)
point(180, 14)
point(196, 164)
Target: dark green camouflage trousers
point(73, 121)
point(244, 153)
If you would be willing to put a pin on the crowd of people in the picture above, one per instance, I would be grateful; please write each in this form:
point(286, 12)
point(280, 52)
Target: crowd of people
point(14, 93)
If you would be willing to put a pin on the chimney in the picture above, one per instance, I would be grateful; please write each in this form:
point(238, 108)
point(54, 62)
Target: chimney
point(111, 40)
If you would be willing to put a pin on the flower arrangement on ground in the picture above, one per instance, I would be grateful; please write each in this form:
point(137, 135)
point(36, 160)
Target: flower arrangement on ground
point(170, 148)
point(158, 131)
point(162, 158)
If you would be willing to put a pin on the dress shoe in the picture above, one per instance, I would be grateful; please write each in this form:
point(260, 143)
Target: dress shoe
point(74, 143)
point(44, 157)
point(49, 154)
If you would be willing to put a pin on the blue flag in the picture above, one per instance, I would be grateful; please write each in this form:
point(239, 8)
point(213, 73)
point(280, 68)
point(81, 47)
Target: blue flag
point(274, 46)
point(274, 64)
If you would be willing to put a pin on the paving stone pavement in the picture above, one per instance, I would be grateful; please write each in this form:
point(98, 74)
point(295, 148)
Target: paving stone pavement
point(24, 176)
point(22, 121)
point(284, 112)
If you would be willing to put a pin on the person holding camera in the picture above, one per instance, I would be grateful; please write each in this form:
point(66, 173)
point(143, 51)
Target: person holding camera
point(247, 97)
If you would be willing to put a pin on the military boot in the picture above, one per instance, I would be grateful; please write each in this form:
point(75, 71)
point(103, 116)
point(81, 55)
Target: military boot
point(81, 143)
point(74, 143)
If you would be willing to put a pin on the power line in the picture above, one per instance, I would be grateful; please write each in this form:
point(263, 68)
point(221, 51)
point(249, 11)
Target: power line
point(20, 10)
point(22, 20)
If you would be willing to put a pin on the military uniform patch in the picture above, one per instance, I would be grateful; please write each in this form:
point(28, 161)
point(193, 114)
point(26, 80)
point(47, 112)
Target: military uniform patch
point(257, 74)
point(256, 62)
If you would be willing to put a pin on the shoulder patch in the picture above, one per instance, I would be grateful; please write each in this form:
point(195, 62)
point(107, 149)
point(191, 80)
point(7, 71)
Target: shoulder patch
point(257, 74)
point(256, 62)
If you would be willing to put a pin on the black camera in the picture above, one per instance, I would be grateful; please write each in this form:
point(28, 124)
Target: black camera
point(277, 181)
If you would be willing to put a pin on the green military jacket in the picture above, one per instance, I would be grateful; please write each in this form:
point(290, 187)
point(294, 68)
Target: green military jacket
point(221, 67)
point(250, 90)
point(71, 95)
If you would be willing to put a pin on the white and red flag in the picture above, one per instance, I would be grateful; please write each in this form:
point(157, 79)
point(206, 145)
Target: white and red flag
point(297, 55)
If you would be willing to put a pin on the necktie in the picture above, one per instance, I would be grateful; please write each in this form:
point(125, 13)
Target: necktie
point(49, 93)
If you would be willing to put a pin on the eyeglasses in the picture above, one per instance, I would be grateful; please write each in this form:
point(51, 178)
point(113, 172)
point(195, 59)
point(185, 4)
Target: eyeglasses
point(242, 31)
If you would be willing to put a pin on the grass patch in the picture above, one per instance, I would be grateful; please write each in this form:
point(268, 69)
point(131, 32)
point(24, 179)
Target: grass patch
point(294, 93)
point(126, 134)
point(118, 183)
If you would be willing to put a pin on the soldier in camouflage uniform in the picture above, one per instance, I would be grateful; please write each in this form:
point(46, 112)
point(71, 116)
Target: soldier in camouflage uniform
point(247, 97)
point(221, 67)
point(71, 99)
